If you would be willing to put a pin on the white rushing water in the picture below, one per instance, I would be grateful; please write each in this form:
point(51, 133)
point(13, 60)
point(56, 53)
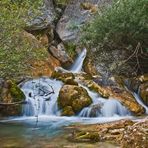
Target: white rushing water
point(138, 99)
point(42, 103)
point(41, 96)
point(102, 107)
point(77, 66)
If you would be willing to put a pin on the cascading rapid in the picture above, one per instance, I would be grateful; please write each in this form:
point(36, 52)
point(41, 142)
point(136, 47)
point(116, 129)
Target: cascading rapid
point(41, 97)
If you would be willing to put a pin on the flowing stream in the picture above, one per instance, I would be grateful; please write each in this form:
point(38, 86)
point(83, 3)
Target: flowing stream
point(41, 115)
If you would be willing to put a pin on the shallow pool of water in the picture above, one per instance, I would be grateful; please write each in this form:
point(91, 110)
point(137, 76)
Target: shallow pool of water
point(46, 132)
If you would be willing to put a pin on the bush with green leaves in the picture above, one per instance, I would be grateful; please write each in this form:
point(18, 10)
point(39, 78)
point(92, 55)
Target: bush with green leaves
point(120, 30)
point(120, 25)
point(15, 51)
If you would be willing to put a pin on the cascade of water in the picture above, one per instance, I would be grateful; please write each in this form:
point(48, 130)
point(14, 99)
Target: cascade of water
point(42, 102)
point(138, 99)
point(77, 66)
point(41, 96)
point(103, 107)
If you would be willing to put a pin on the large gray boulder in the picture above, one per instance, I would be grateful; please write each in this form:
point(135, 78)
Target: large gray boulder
point(75, 15)
point(45, 19)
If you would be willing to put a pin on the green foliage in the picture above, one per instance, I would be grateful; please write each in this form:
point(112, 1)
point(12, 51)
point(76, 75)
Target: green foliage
point(16, 92)
point(15, 51)
point(70, 48)
point(118, 26)
point(62, 2)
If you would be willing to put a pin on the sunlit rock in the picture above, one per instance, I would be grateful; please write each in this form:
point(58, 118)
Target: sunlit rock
point(59, 52)
point(67, 78)
point(74, 96)
point(143, 90)
point(10, 93)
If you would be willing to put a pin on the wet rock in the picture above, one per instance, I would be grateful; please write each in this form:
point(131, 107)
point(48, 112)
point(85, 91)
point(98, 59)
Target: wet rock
point(59, 52)
point(136, 135)
point(95, 110)
point(128, 100)
point(132, 84)
point(68, 111)
point(93, 86)
point(74, 96)
point(111, 131)
point(125, 133)
point(89, 67)
point(9, 93)
point(118, 93)
point(75, 15)
point(143, 91)
point(67, 78)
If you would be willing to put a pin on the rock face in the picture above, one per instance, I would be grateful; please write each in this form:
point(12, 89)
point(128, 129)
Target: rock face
point(67, 78)
point(41, 66)
point(89, 67)
point(74, 16)
point(44, 67)
point(45, 19)
point(60, 53)
point(72, 99)
point(144, 92)
point(136, 135)
point(100, 132)
point(126, 133)
point(118, 93)
point(9, 93)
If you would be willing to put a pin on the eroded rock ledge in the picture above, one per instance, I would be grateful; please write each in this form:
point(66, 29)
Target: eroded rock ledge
point(126, 133)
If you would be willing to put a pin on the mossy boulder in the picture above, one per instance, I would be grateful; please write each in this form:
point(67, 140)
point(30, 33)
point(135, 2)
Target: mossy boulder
point(89, 67)
point(144, 92)
point(16, 92)
point(73, 98)
point(67, 78)
point(68, 111)
point(10, 93)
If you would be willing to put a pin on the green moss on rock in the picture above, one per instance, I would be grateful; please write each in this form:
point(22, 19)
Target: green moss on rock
point(68, 111)
point(74, 96)
point(67, 78)
point(16, 93)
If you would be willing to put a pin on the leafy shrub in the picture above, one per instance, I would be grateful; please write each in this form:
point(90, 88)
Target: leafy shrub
point(119, 30)
point(121, 25)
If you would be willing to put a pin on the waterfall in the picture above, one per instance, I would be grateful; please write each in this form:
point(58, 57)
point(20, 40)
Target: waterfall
point(138, 99)
point(77, 66)
point(41, 96)
point(106, 108)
